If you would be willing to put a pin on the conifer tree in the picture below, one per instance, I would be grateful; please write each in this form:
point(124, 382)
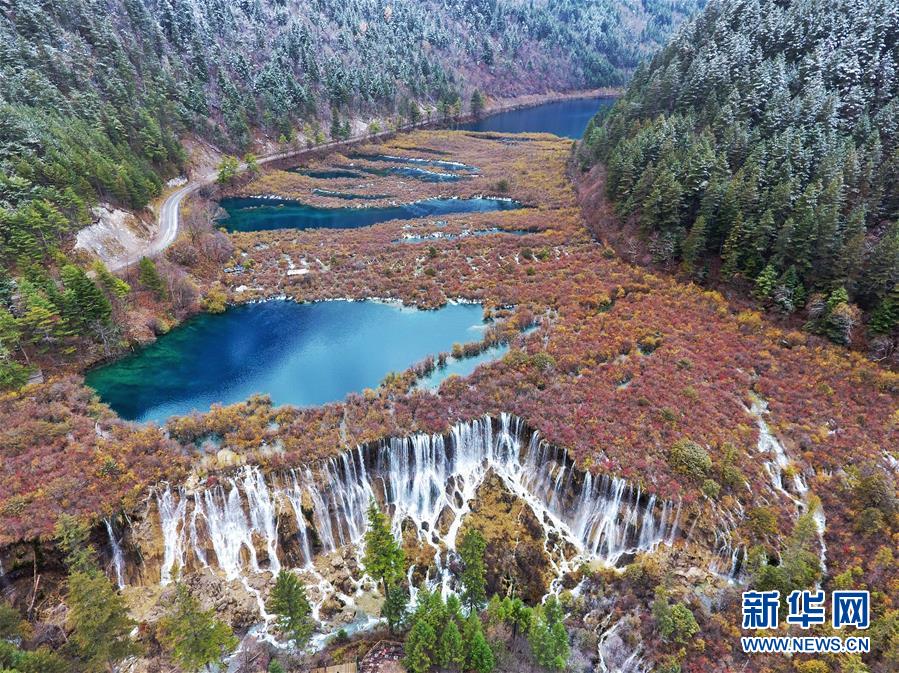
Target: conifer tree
point(149, 277)
point(85, 302)
point(519, 616)
point(113, 285)
point(385, 562)
point(548, 637)
point(420, 647)
point(335, 124)
point(694, 245)
point(451, 653)
point(252, 164)
point(289, 602)
point(478, 655)
point(72, 537)
point(11, 623)
point(474, 577)
point(453, 607)
point(765, 283)
point(885, 317)
point(394, 609)
point(227, 170)
point(477, 103)
point(430, 607)
point(193, 637)
point(98, 619)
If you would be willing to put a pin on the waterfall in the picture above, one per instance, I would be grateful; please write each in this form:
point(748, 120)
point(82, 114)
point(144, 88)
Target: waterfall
point(172, 510)
point(769, 444)
point(118, 559)
point(426, 479)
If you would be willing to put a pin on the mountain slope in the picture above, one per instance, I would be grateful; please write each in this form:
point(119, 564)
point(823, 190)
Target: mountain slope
point(95, 95)
point(765, 135)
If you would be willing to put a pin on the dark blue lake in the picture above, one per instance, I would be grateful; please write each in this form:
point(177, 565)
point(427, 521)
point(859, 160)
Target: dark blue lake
point(300, 354)
point(249, 214)
point(566, 118)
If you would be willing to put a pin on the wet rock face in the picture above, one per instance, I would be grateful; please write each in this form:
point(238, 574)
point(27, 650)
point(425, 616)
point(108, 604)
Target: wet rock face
point(230, 599)
point(515, 552)
point(232, 602)
point(419, 555)
point(142, 540)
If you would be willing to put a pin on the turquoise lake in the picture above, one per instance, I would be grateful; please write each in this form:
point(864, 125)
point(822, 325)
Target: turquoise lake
point(249, 214)
point(300, 354)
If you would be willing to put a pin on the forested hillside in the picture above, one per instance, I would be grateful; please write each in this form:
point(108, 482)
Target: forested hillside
point(766, 136)
point(95, 96)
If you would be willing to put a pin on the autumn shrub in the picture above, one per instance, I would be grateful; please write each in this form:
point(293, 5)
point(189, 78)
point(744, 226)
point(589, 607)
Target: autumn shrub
point(763, 521)
point(215, 301)
point(690, 459)
point(812, 666)
point(711, 488)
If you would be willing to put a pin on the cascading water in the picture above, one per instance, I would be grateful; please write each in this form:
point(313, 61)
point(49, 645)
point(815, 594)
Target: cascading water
point(426, 479)
point(118, 558)
point(770, 445)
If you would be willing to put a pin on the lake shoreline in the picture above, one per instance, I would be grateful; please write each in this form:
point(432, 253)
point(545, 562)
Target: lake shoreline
point(300, 354)
point(492, 109)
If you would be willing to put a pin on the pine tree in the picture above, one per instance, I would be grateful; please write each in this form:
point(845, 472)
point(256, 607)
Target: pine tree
point(10, 331)
point(114, 286)
point(519, 616)
point(451, 653)
point(479, 657)
point(99, 622)
point(385, 562)
point(335, 124)
point(453, 607)
point(289, 602)
point(789, 293)
point(41, 319)
point(548, 637)
point(474, 577)
point(431, 609)
point(765, 283)
point(885, 317)
point(420, 647)
point(72, 536)
point(662, 207)
point(7, 288)
point(150, 279)
point(194, 638)
point(693, 246)
point(852, 251)
point(12, 625)
point(732, 251)
point(85, 302)
point(13, 375)
point(394, 608)
point(674, 622)
point(477, 104)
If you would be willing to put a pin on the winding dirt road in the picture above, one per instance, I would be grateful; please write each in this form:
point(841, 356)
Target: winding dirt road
point(168, 226)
